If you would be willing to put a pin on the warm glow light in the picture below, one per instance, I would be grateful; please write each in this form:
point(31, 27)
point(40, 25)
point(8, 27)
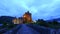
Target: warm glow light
point(24, 16)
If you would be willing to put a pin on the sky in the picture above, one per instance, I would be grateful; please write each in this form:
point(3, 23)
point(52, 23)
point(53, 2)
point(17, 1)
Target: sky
point(40, 9)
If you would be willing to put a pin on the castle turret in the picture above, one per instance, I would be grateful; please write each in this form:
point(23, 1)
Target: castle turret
point(27, 17)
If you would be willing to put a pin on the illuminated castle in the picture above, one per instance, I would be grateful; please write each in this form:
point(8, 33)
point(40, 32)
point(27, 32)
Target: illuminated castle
point(25, 19)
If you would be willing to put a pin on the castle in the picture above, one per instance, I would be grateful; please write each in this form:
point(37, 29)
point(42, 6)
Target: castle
point(25, 19)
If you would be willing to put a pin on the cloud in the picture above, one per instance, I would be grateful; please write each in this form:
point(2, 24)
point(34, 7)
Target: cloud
point(39, 8)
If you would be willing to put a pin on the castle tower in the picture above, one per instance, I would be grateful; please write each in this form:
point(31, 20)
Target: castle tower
point(27, 17)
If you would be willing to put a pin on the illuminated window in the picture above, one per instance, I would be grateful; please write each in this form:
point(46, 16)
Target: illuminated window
point(24, 16)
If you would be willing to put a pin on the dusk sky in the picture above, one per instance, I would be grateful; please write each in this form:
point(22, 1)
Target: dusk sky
point(40, 9)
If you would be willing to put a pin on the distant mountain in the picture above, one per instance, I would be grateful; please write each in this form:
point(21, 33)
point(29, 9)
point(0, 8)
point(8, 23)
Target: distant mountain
point(56, 19)
point(7, 19)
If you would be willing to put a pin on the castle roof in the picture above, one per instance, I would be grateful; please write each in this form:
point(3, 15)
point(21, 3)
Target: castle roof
point(28, 13)
point(20, 17)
